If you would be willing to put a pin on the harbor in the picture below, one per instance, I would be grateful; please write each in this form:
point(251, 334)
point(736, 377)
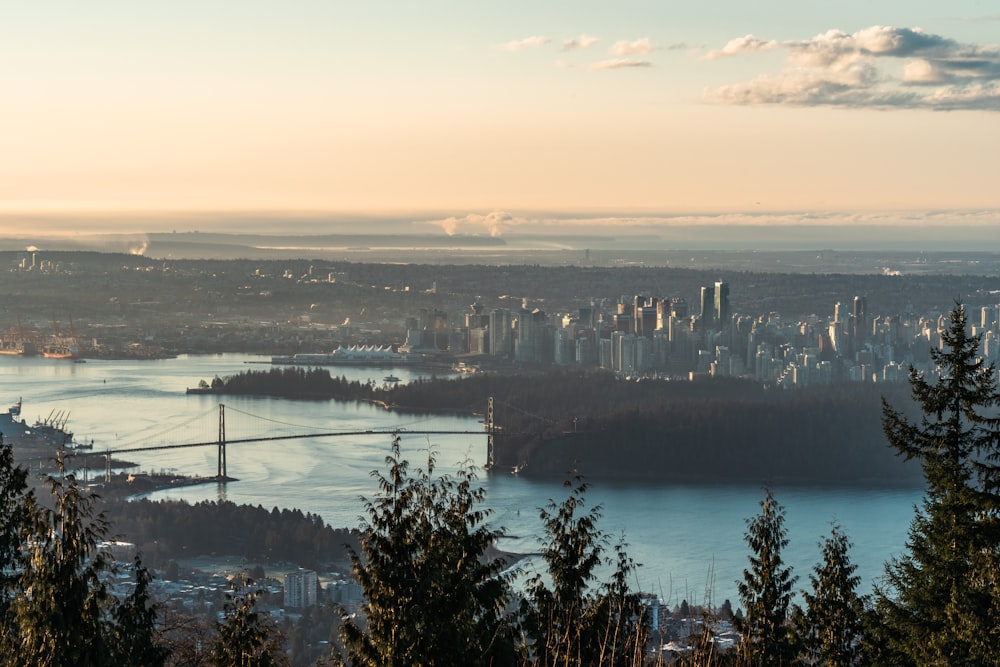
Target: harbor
point(122, 404)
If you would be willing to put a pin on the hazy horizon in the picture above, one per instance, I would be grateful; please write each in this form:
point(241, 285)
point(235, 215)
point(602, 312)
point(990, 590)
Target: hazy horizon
point(499, 236)
point(494, 223)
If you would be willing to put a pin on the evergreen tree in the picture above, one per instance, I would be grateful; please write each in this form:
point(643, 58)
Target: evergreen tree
point(245, 638)
point(834, 613)
point(569, 624)
point(939, 601)
point(187, 638)
point(620, 616)
point(135, 641)
point(58, 613)
point(766, 591)
point(433, 595)
point(59, 610)
point(16, 502)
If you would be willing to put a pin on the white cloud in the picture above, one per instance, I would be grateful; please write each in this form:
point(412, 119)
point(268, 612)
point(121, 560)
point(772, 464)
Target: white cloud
point(581, 42)
point(620, 63)
point(982, 96)
point(886, 40)
point(745, 44)
point(921, 70)
point(532, 42)
point(639, 47)
point(879, 66)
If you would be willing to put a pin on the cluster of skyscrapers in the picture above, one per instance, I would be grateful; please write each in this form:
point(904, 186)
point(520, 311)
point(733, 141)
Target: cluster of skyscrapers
point(648, 335)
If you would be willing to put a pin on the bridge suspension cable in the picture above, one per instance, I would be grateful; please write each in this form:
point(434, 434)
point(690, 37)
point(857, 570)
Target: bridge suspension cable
point(526, 413)
point(222, 441)
point(174, 426)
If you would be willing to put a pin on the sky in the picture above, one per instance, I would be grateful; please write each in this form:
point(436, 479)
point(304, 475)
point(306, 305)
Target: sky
point(477, 111)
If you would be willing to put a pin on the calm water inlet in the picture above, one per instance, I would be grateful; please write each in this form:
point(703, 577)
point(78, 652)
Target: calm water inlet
point(687, 537)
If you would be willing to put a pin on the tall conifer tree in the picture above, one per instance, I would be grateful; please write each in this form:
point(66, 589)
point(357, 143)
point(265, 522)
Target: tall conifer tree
point(59, 612)
point(939, 600)
point(570, 622)
point(16, 503)
point(433, 593)
point(135, 638)
point(834, 613)
point(766, 591)
point(245, 637)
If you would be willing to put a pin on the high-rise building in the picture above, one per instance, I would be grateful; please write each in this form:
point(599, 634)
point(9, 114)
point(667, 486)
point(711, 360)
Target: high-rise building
point(300, 589)
point(476, 318)
point(722, 358)
point(860, 332)
point(623, 322)
point(586, 350)
point(707, 307)
point(501, 344)
point(565, 347)
point(645, 320)
point(678, 307)
point(987, 316)
point(721, 310)
point(624, 353)
point(476, 325)
point(433, 325)
point(990, 344)
point(529, 346)
point(662, 314)
point(637, 303)
point(479, 340)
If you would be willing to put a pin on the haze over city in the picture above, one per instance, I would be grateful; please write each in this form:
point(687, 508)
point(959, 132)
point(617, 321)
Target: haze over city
point(498, 120)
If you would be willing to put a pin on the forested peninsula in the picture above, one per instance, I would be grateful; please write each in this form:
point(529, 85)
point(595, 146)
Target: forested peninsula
point(602, 426)
point(175, 529)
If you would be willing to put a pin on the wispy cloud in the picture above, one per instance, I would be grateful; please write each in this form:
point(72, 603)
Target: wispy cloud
point(638, 47)
point(740, 45)
point(857, 70)
point(581, 42)
point(533, 42)
point(620, 63)
point(626, 52)
point(499, 222)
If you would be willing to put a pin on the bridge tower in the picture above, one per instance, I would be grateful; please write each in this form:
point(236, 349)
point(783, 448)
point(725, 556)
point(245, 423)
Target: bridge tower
point(489, 434)
point(222, 476)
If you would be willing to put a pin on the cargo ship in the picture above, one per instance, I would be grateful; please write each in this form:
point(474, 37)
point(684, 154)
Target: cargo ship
point(59, 351)
point(11, 345)
point(12, 424)
point(56, 345)
point(52, 429)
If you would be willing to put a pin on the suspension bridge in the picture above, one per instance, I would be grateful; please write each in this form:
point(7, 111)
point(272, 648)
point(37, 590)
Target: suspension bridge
point(222, 442)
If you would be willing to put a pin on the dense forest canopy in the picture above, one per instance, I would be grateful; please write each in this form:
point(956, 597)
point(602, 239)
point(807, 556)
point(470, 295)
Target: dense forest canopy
point(173, 529)
point(603, 425)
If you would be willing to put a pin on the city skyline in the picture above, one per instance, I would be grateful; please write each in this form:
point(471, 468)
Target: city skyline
point(477, 118)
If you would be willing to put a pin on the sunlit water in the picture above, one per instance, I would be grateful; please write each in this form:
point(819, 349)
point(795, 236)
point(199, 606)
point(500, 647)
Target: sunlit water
point(687, 537)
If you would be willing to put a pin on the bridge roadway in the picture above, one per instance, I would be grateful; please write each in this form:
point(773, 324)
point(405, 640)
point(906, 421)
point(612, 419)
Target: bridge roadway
point(216, 443)
point(221, 443)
